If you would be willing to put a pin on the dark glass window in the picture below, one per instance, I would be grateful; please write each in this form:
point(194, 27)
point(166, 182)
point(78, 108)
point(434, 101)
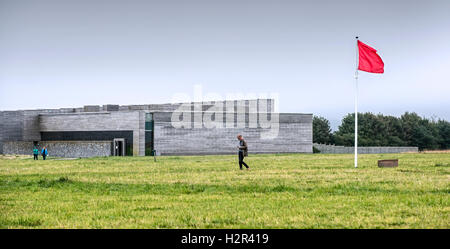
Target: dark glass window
point(148, 117)
point(149, 134)
point(149, 126)
point(148, 143)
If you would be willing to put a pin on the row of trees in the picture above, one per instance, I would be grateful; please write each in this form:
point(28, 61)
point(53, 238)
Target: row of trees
point(379, 130)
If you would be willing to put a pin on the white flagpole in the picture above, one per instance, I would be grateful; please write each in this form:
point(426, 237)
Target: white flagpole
point(356, 105)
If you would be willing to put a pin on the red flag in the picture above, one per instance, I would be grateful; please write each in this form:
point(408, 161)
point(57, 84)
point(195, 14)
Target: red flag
point(369, 60)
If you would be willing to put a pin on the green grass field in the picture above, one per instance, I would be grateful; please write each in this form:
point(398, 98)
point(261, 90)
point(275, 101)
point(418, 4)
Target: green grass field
point(281, 191)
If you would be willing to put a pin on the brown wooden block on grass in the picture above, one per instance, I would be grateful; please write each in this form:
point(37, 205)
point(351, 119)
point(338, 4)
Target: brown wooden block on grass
point(390, 163)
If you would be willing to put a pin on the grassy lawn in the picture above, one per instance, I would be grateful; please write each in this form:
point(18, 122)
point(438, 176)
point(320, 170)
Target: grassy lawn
point(281, 191)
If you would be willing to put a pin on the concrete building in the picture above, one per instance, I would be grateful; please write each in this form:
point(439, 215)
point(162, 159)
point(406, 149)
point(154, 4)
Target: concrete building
point(195, 128)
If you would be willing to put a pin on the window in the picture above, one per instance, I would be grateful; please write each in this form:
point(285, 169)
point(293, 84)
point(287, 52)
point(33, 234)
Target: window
point(149, 134)
point(148, 117)
point(149, 126)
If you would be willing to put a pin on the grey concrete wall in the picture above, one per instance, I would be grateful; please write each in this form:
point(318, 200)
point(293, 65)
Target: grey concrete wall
point(253, 104)
point(69, 149)
point(11, 127)
point(333, 149)
point(22, 125)
point(294, 136)
point(97, 121)
point(133, 118)
point(102, 121)
point(31, 130)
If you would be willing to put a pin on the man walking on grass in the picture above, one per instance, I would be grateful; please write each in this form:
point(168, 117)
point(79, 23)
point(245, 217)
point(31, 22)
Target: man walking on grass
point(243, 152)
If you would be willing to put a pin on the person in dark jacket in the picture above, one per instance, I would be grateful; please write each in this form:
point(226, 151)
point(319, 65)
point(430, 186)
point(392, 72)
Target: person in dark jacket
point(44, 152)
point(243, 152)
point(36, 153)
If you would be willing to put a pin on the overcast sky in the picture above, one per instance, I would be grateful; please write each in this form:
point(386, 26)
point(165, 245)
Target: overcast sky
point(72, 53)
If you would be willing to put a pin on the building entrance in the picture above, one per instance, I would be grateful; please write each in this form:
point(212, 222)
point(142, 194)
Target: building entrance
point(119, 146)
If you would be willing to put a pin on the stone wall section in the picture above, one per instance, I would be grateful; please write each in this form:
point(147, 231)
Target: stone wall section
point(68, 149)
point(334, 149)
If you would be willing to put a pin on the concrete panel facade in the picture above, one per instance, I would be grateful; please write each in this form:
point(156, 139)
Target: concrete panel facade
point(294, 136)
point(294, 131)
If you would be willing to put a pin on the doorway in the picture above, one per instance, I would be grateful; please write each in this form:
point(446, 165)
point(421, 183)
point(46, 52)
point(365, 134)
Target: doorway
point(119, 146)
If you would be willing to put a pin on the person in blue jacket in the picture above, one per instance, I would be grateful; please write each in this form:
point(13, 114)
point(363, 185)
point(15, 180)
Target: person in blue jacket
point(44, 152)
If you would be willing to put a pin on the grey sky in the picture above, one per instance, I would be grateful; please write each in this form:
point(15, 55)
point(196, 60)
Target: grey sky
point(72, 53)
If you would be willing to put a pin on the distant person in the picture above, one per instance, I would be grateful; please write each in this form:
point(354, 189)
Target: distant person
point(44, 152)
point(36, 153)
point(243, 152)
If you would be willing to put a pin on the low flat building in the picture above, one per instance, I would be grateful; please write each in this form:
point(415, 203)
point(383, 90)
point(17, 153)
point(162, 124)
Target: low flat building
point(196, 128)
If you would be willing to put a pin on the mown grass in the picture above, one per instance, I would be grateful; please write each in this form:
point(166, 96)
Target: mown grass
point(281, 191)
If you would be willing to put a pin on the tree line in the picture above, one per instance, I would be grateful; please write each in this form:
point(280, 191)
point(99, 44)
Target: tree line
point(379, 130)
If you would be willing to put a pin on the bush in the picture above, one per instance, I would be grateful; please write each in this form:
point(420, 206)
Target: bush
point(408, 130)
point(321, 130)
point(315, 150)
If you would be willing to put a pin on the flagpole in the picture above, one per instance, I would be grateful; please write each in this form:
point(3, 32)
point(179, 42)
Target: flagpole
point(356, 105)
